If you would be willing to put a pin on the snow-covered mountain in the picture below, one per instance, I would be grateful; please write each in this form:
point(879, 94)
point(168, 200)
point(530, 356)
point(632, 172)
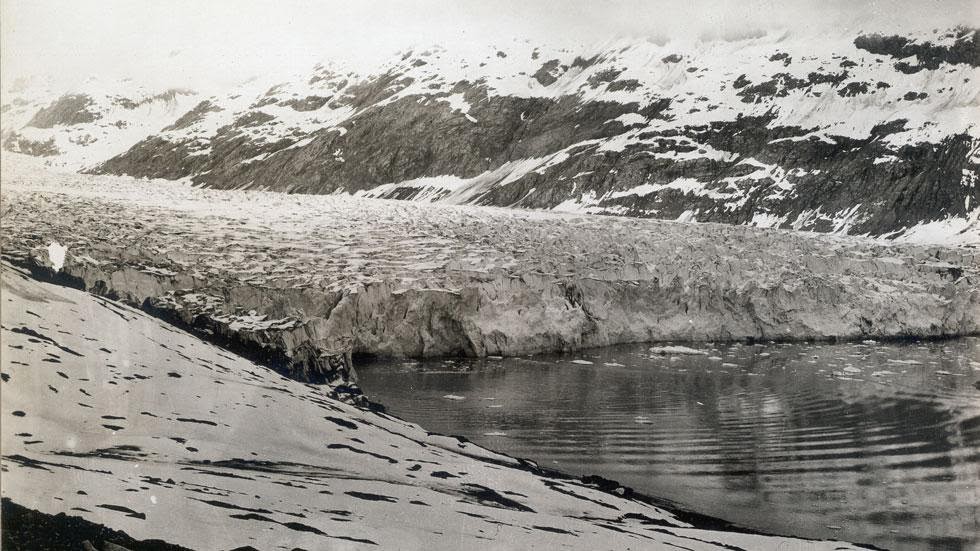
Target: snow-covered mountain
point(862, 134)
point(91, 123)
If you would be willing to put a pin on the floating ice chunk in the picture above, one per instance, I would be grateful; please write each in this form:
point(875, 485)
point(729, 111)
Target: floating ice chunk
point(677, 350)
point(454, 397)
point(56, 254)
point(582, 362)
point(495, 433)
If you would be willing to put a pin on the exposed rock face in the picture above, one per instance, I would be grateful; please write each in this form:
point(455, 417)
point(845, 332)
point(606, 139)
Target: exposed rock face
point(14, 142)
point(89, 125)
point(67, 110)
point(194, 115)
point(300, 282)
point(25, 529)
point(958, 46)
point(765, 132)
point(140, 436)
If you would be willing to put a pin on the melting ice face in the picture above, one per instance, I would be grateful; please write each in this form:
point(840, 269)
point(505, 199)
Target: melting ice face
point(56, 253)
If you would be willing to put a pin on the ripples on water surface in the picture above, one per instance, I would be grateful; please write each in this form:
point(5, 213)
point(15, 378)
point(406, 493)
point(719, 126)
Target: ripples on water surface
point(874, 443)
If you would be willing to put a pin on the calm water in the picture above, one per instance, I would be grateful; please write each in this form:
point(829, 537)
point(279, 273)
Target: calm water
point(874, 443)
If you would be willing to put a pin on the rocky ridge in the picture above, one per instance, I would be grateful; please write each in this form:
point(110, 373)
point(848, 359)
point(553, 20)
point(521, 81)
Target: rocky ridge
point(865, 134)
point(83, 127)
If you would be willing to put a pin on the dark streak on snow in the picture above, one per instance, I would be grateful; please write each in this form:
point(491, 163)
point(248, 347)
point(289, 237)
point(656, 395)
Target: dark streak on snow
point(367, 496)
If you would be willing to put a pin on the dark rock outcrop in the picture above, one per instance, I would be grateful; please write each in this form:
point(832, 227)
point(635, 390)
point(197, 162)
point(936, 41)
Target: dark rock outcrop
point(20, 144)
point(194, 115)
point(26, 529)
point(67, 110)
point(960, 45)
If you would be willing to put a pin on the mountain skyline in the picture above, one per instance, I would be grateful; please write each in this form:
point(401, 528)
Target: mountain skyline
point(864, 134)
point(216, 45)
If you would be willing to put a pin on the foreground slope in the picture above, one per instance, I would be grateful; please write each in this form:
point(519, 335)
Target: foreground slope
point(124, 421)
point(850, 132)
point(299, 280)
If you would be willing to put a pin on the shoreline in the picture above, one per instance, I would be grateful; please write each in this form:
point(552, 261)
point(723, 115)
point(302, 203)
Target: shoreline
point(610, 486)
point(265, 352)
point(469, 454)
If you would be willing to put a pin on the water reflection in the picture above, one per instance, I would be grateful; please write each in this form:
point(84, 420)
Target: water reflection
point(876, 443)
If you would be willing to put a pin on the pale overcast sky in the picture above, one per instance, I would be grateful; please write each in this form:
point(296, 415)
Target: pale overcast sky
point(207, 44)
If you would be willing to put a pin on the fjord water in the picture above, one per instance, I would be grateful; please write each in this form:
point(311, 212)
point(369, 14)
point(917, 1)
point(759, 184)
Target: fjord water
point(868, 442)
